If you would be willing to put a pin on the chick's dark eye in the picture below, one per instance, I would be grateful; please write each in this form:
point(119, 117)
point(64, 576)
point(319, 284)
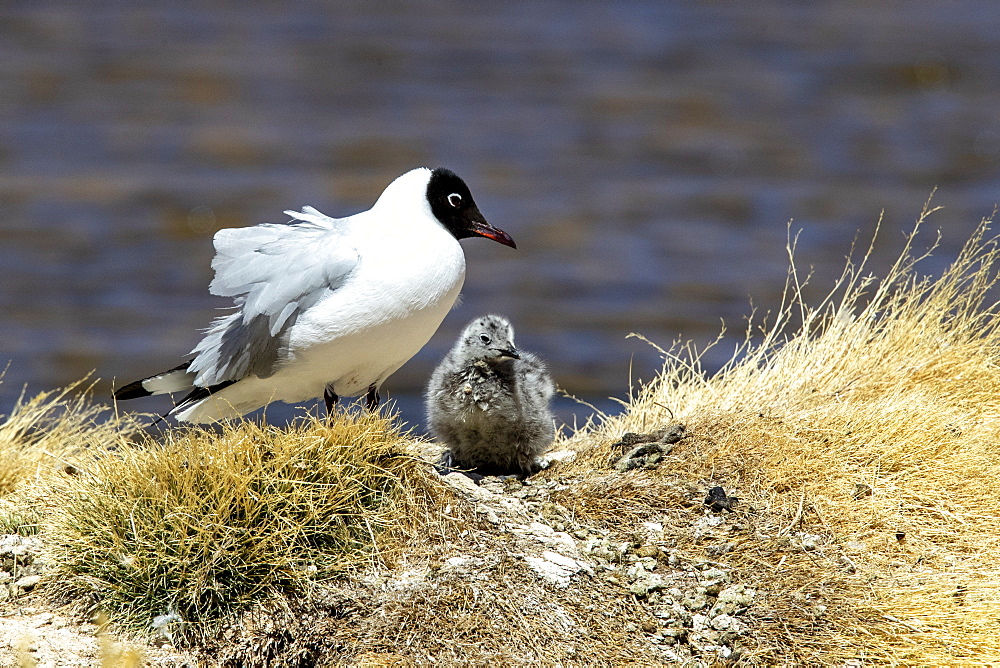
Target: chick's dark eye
point(455, 200)
point(485, 339)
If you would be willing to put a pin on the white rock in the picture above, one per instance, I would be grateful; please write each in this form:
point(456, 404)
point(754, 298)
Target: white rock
point(539, 529)
point(695, 600)
point(641, 568)
point(488, 513)
point(732, 599)
point(725, 623)
point(634, 571)
point(647, 583)
point(566, 562)
point(549, 458)
point(713, 576)
point(557, 540)
point(466, 486)
point(653, 530)
point(557, 568)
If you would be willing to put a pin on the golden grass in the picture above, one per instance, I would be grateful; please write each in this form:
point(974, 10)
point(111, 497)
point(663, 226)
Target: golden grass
point(42, 435)
point(50, 429)
point(867, 426)
point(891, 383)
point(204, 525)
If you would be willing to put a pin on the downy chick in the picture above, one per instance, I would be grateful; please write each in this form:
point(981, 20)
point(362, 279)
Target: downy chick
point(490, 403)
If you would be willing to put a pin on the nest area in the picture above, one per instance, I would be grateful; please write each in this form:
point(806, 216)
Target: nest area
point(826, 500)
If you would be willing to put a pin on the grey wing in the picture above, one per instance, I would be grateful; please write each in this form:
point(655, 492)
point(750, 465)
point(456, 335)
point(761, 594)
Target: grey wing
point(274, 273)
point(537, 389)
point(537, 383)
point(276, 270)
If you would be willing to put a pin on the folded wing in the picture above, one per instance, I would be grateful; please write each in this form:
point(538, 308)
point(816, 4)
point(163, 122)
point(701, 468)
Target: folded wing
point(274, 273)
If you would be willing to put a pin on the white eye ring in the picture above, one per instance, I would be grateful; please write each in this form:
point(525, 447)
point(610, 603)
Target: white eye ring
point(485, 339)
point(455, 200)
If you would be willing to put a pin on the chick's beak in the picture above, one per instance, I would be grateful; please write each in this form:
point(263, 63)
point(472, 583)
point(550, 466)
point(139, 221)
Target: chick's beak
point(510, 352)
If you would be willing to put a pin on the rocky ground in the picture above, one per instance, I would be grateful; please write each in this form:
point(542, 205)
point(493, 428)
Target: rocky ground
point(530, 564)
point(696, 613)
point(34, 633)
point(673, 609)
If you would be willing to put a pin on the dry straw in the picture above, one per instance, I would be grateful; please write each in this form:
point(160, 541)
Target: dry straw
point(860, 433)
point(51, 428)
point(871, 422)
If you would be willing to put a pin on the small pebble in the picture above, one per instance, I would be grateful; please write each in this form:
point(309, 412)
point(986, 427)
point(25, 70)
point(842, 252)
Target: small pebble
point(648, 551)
point(717, 500)
point(862, 490)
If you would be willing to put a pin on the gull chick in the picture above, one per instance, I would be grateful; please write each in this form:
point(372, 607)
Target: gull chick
point(489, 403)
point(327, 306)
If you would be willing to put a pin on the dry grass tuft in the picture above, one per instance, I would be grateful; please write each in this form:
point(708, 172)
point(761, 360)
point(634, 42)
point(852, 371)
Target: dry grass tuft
point(202, 525)
point(43, 435)
point(51, 430)
point(872, 424)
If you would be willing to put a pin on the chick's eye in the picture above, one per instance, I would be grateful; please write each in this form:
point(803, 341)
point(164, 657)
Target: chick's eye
point(455, 200)
point(485, 339)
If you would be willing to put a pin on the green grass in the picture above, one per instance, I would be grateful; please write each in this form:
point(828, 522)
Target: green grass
point(17, 516)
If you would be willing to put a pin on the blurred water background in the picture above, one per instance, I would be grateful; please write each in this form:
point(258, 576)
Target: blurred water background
point(646, 156)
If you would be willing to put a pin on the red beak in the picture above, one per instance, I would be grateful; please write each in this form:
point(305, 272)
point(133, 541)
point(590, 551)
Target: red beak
point(484, 229)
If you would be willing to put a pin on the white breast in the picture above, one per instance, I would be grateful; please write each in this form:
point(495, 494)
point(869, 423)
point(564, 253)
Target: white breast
point(408, 279)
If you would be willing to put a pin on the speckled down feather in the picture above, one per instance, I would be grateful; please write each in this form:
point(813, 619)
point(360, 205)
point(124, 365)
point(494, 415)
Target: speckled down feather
point(490, 403)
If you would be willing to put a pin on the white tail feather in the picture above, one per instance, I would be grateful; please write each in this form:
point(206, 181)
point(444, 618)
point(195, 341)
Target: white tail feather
point(177, 380)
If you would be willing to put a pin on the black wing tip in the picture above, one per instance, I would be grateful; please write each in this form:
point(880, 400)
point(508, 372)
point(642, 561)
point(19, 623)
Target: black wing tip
point(132, 391)
point(199, 393)
point(136, 389)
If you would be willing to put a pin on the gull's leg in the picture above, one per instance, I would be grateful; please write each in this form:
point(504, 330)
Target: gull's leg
point(331, 398)
point(372, 399)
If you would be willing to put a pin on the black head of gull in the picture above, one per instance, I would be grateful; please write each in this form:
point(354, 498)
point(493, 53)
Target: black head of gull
point(452, 204)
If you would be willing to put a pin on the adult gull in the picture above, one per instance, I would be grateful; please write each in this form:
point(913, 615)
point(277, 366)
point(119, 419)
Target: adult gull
point(327, 306)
